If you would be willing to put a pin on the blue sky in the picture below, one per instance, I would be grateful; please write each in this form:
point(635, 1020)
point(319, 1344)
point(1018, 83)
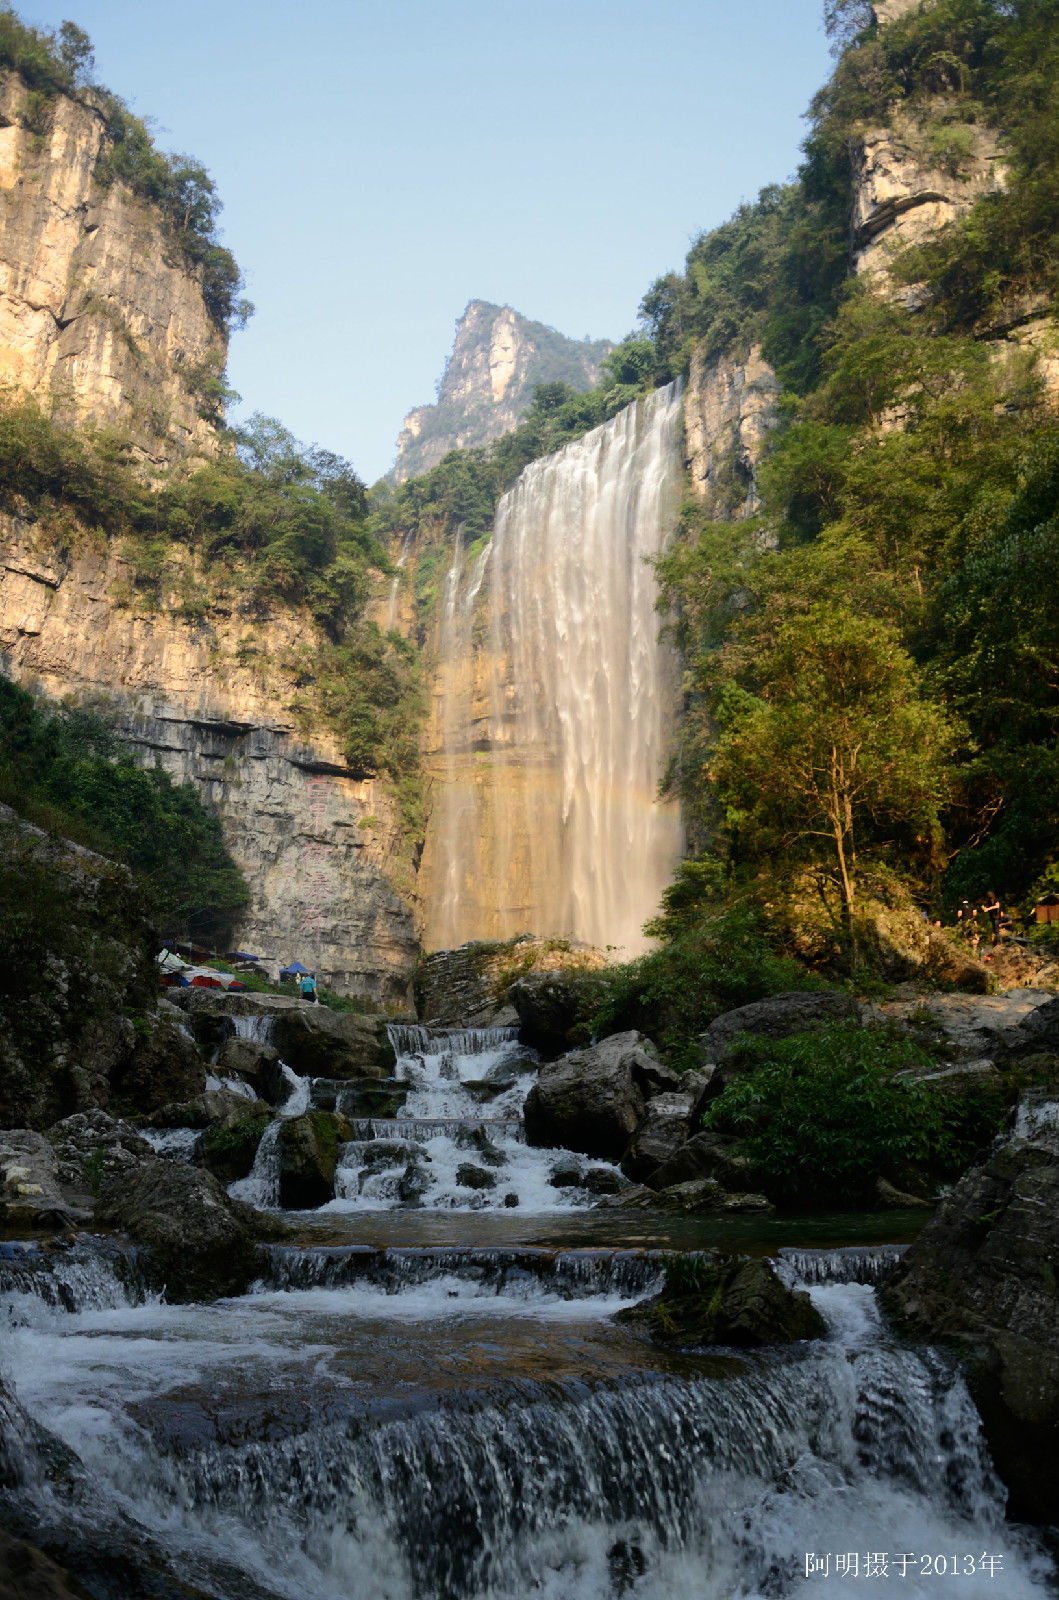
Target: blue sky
point(382, 162)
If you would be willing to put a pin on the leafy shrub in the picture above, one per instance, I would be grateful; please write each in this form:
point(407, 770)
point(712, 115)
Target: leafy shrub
point(672, 994)
point(823, 1114)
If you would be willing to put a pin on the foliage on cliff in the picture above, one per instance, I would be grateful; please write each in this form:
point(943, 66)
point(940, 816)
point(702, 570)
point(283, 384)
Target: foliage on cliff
point(179, 188)
point(908, 529)
point(266, 524)
point(553, 359)
point(65, 771)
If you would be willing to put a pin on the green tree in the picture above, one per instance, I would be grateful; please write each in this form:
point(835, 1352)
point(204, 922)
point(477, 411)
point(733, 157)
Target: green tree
point(838, 748)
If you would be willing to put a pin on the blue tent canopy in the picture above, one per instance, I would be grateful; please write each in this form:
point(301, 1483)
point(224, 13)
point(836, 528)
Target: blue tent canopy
point(295, 966)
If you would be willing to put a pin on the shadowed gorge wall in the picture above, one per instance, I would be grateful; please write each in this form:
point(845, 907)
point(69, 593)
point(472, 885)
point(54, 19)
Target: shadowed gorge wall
point(554, 700)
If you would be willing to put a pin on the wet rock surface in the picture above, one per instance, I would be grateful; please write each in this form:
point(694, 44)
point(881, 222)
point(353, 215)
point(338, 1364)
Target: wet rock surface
point(228, 1149)
point(659, 1137)
point(200, 1243)
point(588, 1101)
point(983, 1274)
point(256, 1064)
point(697, 1196)
point(724, 1301)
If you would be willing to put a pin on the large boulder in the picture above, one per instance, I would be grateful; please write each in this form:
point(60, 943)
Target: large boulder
point(658, 1138)
point(308, 1158)
point(163, 1065)
point(967, 1027)
point(588, 1100)
point(697, 1197)
point(213, 1107)
point(256, 1064)
point(725, 1301)
point(1042, 1025)
point(317, 1042)
point(228, 1148)
point(982, 1275)
point(200, 1243)
point(92, 1145)
point(549, 1007)
point(777, 1018)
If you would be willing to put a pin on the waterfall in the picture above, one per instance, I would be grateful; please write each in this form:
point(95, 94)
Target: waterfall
point(556, 699)
point(257, 1028)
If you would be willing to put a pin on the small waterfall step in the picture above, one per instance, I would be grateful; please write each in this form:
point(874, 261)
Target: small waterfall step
point(569, 1274)
point(868, 1264)
point(421, 1129)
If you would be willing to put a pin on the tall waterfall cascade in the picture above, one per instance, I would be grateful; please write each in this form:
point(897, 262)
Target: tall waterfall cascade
point(555, 699)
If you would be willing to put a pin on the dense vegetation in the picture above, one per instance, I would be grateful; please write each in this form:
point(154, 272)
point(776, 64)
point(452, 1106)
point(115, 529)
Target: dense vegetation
point(262, 524)
point(66, 772)
point(823, 1115)
point(179, 188)
point(874, 656)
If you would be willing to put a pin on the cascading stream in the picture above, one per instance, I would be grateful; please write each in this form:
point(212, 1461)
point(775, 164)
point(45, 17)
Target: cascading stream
point(549, 817)
point(458, 1142)
point(280, 1444)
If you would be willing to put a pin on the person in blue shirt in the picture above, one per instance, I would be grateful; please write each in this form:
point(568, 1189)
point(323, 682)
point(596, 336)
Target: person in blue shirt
point(307, 985)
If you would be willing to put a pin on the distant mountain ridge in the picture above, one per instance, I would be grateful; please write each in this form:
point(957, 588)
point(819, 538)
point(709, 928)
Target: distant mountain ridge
point(497, 360)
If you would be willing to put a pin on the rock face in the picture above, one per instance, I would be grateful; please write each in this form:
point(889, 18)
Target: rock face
point(208, 702)
point(983, 1274)
point(587, 1100)
point(777, 1018)
point(906, 189)
point(98, 316)
point(317, 1042)
point(549, 1005)
point(971, 1027)
point(312, 1039)
point(201, 1243)
point(496, 362)
point(729, 409)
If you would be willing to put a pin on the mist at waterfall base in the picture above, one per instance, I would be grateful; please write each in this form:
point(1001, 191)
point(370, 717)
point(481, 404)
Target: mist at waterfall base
point(549, 818)
point(472, 1423)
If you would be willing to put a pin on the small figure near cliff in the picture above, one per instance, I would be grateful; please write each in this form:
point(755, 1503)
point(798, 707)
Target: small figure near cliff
point(307, 986)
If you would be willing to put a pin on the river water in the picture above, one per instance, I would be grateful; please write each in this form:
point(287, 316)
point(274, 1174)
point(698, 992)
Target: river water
point(429, 1398)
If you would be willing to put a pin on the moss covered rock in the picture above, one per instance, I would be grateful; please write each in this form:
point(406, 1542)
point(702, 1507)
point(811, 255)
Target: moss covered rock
point(308, 1157)
point(721, 1300)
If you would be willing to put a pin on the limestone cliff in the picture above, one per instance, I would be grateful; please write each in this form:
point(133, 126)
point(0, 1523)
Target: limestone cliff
point(497, 360)
point(210, 701)
point(99, 318)
point(729, 408)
